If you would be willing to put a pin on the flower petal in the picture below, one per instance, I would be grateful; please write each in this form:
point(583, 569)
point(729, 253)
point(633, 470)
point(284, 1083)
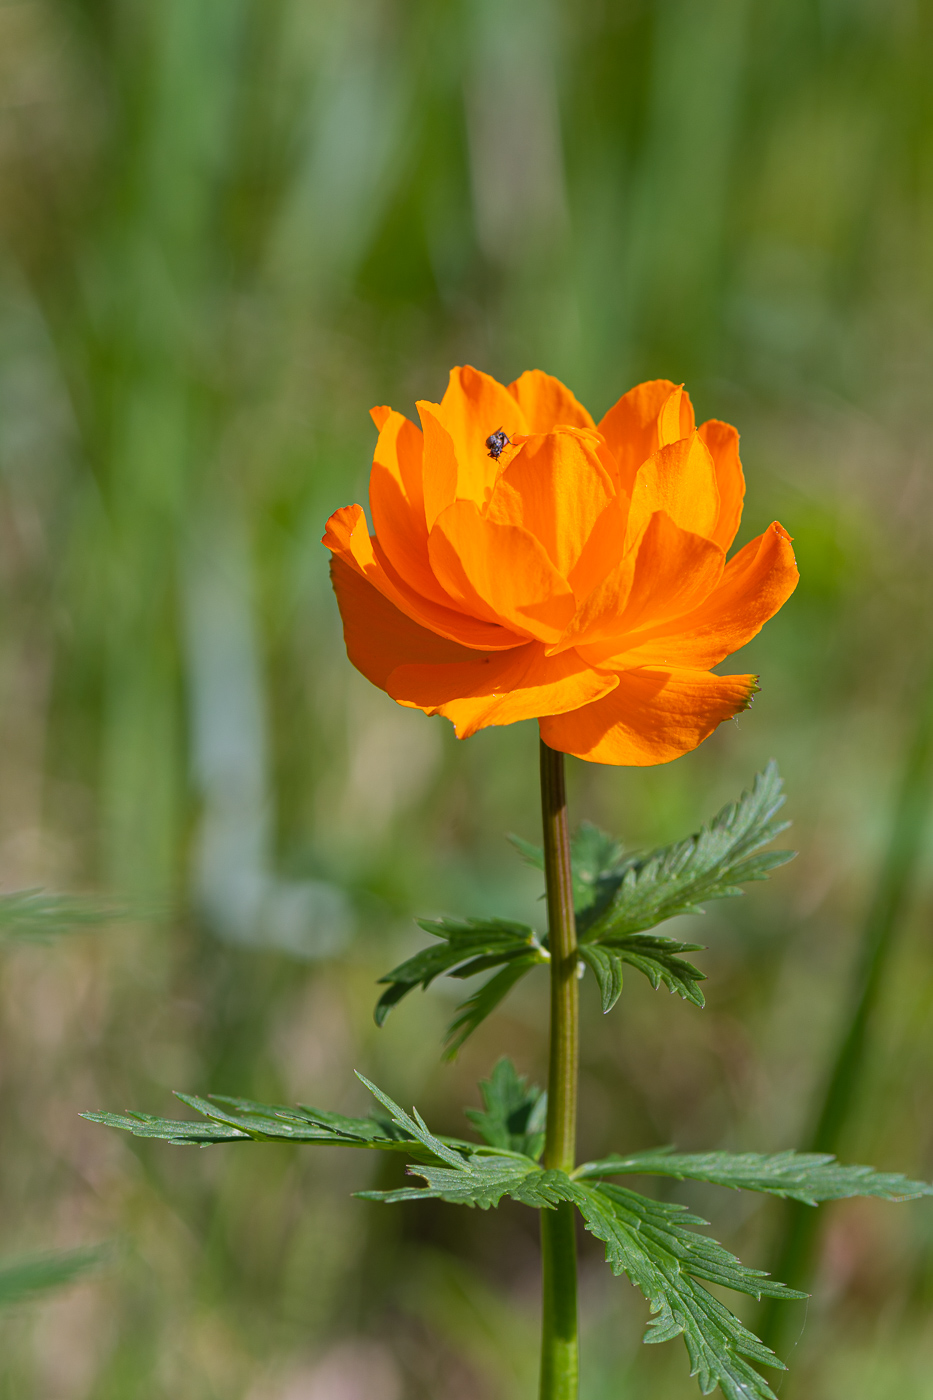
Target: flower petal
point(474, 406)
point(499, 572)
point(723, 443)
point(669, 574)
point(556, 487)
point(439, 470)
point(379, 637)
point(754, 585)
point(651, 717)
point(397, 504)
point(547, 403)
point(676, 419)
point(348, 538)
point(631, 425)
point(500, 689)
point(681, 480)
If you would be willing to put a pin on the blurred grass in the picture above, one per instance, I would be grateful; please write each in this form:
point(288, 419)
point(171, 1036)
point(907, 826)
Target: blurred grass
point(226, 228)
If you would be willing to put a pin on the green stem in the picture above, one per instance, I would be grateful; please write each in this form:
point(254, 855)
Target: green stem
point(559, 1362)
point(797, 1249)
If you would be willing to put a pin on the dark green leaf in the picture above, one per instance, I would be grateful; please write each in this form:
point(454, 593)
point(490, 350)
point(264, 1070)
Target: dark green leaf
point(596, 861)
point(515, 1112)
point(607, 965)
point(242, 1120)
point(712, 864)
point(801, 1176)
point(468, 946)
point(482, 1181)
point(656, 958)
point(647, 1241)
point(178, 1131)
point(484, 1000)
point(415, 1127)
point(40, 1273)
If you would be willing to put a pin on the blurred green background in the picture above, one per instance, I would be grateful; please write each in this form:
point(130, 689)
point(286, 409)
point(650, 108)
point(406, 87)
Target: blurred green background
point(228, 227)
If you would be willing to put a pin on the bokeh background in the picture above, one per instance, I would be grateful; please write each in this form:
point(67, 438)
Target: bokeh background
point(228, 227)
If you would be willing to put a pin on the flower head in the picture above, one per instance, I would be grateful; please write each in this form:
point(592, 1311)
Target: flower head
point(575, 573)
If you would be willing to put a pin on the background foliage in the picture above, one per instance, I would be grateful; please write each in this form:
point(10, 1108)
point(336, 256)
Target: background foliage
point(226, 228)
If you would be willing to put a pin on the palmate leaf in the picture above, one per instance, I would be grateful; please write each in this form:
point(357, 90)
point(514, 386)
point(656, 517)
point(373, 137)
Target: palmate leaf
point(482, 1181)
point(647, 1240)
point(243, 1120)
point(515, 1112)
point(468, 946)
point(618, 897)
point(25, 1278)
point(476, 1008)
point(677, 879)
point(606, 965)
point(657, 958)
point(801, 1176)
point(652, 955)
point(597, 863)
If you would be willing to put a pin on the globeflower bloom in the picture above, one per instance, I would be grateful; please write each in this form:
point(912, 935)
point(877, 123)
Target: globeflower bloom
point(564, 571)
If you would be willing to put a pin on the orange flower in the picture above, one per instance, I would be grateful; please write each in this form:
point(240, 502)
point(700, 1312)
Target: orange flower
point(560, 571)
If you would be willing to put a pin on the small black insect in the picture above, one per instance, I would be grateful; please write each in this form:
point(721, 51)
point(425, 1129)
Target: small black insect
point(497, 442)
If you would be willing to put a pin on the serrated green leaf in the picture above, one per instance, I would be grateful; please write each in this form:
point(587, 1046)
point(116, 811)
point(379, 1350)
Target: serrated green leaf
point(243, 1120)
point(173, 1130)
point(468, 946)
point(482, 1182)
point(415, 1126)
point(647, 1241)
point(473, 1011)
point(607, 967)
point(656, 957)
point(711, 864)
point(366, 1129)
point(515, 1112)
point(596, 861)
point(25, 1278)
point(801, 1176)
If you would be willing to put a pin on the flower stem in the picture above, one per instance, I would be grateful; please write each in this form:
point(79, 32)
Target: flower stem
point(559, 1367)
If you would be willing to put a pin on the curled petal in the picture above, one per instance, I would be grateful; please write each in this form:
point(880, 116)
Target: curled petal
point(474, 406)
point(440, 464)
point(348, 538)
point(379, 637)
point(754, 585)
point(650, 717)
point(631, 425)
point(500, 688)
point(681, 480)
point(723, 443)
point(499, 572)
point(546, 403)
point(669, 574)
point(397, 504)
point(556, 488)
point(676, 419)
